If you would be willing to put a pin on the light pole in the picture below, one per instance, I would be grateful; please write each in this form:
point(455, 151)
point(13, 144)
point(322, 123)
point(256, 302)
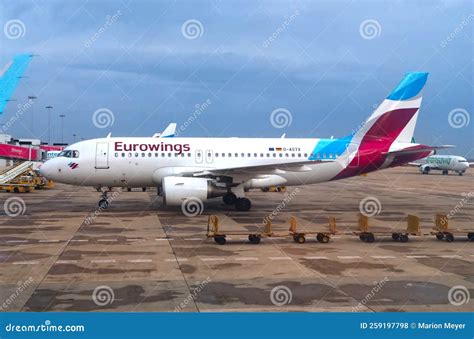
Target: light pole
point(31, 98)
point(49, 123)
point(74, 136)
point(62, 116)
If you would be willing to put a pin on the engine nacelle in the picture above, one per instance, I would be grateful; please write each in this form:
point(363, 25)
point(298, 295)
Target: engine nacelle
point(425, 168)
point(177, 189)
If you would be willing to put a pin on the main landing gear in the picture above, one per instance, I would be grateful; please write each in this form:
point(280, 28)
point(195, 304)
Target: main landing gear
point(241, 204)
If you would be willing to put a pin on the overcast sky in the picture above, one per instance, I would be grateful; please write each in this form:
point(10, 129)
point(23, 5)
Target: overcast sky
point(327, 63)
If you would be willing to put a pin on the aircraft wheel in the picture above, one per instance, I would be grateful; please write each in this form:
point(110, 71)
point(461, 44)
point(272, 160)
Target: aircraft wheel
point(445, 172)
point(403, 237)
point(229, 198)
point(439, 236)
point(243, 204)
point(449, 237)
point(103, 204)
point(460, 174)
point(220, 240)
point(396, 236)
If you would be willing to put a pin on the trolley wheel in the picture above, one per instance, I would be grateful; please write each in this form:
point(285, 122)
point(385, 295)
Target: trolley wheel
point(143, 189)
point(449, 237)
point(396, 236)
point(319, 236)
point(370, 238)
point(470, 236)
point(439, 236)
point(220, 240)
point(129, 189)
point(295, 237)
point(324, 239)
point(254, 239)
point(300, 239)
point(403, 237)
point(16, 190)
point(363, 237)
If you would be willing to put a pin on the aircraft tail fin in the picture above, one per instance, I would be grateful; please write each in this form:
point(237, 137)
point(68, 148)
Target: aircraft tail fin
point(395, 118)
point(10, 76)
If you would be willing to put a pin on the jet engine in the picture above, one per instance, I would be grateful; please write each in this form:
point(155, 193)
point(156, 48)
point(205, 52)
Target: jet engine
point(177, 189)
point(425, 169)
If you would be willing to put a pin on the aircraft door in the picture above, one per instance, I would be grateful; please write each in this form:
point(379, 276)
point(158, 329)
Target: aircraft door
point(353, 151)
point(102, 155)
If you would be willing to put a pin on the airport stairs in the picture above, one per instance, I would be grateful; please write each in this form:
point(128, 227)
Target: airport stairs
point(16, 171)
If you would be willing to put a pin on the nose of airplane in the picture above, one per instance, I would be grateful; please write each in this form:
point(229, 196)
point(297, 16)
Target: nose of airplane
point(44, 170)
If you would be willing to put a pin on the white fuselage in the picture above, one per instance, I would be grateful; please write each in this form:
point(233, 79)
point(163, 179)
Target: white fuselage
point(141, 162)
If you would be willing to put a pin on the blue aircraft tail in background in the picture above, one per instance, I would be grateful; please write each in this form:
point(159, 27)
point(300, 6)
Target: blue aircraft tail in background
point(10, 76)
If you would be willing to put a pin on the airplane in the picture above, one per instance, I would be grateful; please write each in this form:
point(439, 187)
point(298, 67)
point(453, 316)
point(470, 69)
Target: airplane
point(444, 163)
point(184, 169)
point(10, 76)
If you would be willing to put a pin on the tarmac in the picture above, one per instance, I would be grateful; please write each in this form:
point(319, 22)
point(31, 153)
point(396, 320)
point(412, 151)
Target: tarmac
point(61, 253)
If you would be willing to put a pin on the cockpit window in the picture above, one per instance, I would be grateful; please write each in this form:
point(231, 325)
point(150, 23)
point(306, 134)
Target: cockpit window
point(69, 154)
point(462, 160)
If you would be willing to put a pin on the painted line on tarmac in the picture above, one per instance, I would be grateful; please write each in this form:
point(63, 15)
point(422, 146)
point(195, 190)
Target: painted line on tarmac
point(212, 259)
point(79, 240)
point(102, 261)
point(383, 256)
point(315, 258)
point(416, 256)
point(349, 257)
point(17, 241)
point(26, 263)
point(450, 256)
point(107, 240)
point(164, 239)
point(49, 241)
point(246, 259)
point(140, 260)
point(65, 262)
point(280, 258)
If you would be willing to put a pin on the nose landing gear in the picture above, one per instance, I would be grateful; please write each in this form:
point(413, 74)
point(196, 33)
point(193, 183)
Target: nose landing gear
point(104, 201)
